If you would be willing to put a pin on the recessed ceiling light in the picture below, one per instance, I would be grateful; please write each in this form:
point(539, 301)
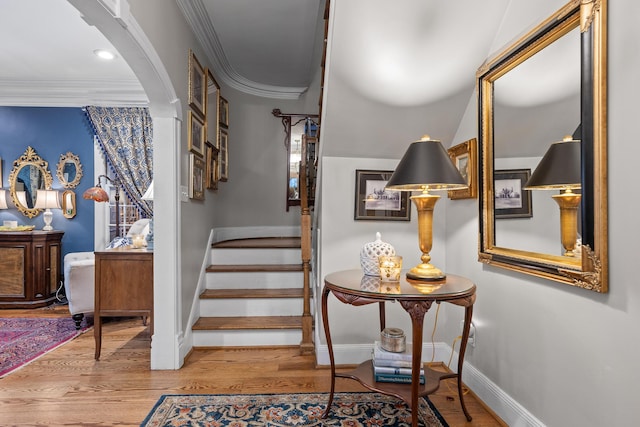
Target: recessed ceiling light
point(104, 54)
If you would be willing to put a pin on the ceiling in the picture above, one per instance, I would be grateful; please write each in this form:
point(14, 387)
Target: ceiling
point(418, 56)
point(250, 52)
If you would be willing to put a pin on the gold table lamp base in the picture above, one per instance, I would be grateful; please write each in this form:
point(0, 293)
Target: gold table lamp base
point(426, 272)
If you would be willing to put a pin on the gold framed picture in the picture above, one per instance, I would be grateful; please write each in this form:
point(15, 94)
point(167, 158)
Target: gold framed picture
point(213, 173)
point(224, 112)
point(196, 183)
point(465, 157)
point(197, 85)
point(196, 134)
point(224, 154)
point(213, 109)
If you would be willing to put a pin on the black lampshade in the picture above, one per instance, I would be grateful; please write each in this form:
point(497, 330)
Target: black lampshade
point(559, 167)
point(426, 165)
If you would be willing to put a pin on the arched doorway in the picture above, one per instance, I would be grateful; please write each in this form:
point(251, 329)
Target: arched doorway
point(114, 20)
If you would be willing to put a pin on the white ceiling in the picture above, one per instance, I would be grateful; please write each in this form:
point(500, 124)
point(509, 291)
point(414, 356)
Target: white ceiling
point(47, 59)
point(402, 54)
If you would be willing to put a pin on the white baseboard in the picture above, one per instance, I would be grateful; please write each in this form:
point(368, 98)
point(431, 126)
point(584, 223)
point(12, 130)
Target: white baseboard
point(504, 406)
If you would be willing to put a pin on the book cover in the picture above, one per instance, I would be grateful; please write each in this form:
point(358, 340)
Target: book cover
point(395, 371)
point(392, 378)
point(381, 354)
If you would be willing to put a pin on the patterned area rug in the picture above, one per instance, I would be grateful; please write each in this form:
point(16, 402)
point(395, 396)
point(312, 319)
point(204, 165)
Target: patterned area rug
point(23, 340)
point(287, 410)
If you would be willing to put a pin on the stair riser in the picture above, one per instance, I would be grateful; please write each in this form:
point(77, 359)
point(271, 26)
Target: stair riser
point(246, 338)
point(251, 307)
point(255, 256)
point(267, 280)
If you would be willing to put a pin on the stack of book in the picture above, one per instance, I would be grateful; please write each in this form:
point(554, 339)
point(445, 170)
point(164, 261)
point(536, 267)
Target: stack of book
point(391, 367)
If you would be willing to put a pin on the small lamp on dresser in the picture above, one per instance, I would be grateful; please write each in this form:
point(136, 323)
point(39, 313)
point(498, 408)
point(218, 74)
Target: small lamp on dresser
point(47, 199)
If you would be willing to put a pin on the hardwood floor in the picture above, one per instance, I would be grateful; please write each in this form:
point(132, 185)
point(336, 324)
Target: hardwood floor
point(67, 387)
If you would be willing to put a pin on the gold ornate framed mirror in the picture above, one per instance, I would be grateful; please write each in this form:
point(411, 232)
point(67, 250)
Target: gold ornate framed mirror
point(29, 174)
point(69, 170)
point(553, 79)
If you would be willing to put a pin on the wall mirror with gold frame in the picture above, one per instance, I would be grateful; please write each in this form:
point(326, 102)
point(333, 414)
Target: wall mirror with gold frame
point(29, 174)
point(547, 84)
point(69, 170)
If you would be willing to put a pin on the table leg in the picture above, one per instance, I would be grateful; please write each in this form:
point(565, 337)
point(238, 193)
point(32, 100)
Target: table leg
point(468, 311)
point(327, 334)
point(416, 310)
point(97, 334)
point(383, 319)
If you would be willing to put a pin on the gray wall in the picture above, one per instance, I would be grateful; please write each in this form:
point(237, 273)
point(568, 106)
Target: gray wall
point(567, 355)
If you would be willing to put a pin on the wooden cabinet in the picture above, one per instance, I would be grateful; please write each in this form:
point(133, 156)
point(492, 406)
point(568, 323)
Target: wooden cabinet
point(123, 286)
point(30, 268)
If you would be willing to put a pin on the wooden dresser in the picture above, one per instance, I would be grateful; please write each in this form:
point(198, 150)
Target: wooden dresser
point(30, 268)
point(124, 287)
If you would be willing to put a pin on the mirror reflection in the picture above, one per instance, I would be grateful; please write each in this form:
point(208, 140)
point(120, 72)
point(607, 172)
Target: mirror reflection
point(536, 103)
point(29, 174)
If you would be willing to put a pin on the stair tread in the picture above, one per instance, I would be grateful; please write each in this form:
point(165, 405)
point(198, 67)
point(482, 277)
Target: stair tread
point(260, 243)
point(243, 323)
point(252, 293)
point(252, 268)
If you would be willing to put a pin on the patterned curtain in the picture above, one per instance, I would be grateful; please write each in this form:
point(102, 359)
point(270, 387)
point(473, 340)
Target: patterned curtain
point(125, 136)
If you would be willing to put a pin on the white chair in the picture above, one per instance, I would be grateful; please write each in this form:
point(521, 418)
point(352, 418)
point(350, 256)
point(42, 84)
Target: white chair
point(79, 276)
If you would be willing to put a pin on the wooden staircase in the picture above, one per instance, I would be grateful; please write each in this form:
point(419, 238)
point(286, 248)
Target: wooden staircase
point(255, 295)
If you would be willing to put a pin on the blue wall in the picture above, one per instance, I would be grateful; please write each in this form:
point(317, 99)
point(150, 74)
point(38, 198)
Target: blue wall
point(51, 132)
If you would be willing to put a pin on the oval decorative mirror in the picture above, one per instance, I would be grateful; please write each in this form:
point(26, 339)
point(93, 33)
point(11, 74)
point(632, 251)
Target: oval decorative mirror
point(69, 170)
point(29, 174)
point(548, 84)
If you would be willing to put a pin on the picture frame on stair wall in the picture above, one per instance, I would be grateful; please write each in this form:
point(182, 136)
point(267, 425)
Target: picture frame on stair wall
point(197, 85)
point(197, 177)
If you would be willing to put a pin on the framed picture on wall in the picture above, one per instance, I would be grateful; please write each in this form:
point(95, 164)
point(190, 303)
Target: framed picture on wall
point(213, 109)
point(197, 177)
point(197, 85)
point(223, 157)
point(196, 134)
point(212, 166)
point(511, 199)
point(465, 157)
point(374, 202)
point(224, 112)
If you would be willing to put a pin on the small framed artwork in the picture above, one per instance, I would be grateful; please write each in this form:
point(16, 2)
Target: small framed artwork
point(212, 166)
point(511, 200)
point(213, 108)
point(224, 112)
point(196, 134)
point(197, 177)
point(224, 154)
point(374, 202)
point(464, 156)
point(197, 85)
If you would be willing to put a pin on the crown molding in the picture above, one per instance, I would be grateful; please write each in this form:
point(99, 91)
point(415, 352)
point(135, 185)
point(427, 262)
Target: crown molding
point(51, 93)
point(196, 14)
